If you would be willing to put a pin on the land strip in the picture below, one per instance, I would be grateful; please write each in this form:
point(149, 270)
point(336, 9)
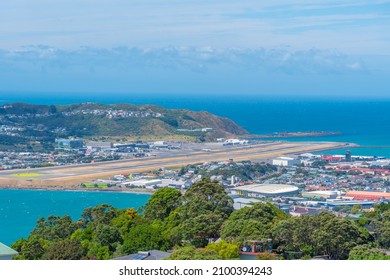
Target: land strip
point(71, 176)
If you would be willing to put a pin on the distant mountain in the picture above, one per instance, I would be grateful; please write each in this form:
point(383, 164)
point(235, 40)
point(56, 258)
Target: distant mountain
point(45, 123)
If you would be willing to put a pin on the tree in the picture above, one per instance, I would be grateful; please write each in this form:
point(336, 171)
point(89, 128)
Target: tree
point(254, 222)
point(145, 236)
point(266, 256)
point(32, 248)
point(336, 237)
point(55, 228)
point(101, 214)
point(323, 234)
point(204, 207)
point(106, 235)
point(384, 234)
point(68, 249)
point(162, 203)
point(225, 250)
point(125, 220)
point(190, 253)
point(356, 209)
point(207, 195)
point(203, 227)
point(367, 252)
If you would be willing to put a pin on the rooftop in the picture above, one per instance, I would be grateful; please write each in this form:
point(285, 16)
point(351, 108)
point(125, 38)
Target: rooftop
point(147, 255)
point(6, 251)
point(268, 188)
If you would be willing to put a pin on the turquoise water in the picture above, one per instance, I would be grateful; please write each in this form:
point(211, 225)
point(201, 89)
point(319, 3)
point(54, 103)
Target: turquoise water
point(20, 209)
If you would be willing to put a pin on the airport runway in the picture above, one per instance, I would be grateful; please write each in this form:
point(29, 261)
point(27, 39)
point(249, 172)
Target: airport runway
point(75, 174)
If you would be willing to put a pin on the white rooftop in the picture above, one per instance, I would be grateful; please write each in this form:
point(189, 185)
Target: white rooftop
point(268, 188)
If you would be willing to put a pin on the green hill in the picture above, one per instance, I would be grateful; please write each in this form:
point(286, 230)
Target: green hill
point(25, 123)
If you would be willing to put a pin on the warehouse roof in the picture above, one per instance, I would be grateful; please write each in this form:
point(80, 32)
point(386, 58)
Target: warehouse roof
point(268, 188)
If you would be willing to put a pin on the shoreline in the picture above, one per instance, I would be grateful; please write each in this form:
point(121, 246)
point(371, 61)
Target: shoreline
point(77, 189)
point(297, 134)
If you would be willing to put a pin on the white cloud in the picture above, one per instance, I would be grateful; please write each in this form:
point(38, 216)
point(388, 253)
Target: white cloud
point(203, 59)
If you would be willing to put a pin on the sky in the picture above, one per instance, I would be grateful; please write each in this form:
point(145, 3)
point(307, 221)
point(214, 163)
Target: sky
point(313, 48)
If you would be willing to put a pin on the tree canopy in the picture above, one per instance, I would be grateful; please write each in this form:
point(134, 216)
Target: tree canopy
point(162, 203)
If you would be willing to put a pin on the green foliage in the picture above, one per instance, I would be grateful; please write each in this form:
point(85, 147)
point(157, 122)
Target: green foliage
point(95, 251)
point(162, 203)
point(323, 234)
point(190, 253)
point(145, 236)
point(266, 256)
point(106, 235)
point(367, 252)
point(384, 234)
point(226, 250)
point(202, 227)
point(67, 249)
point(76, 122)
point(55, 228)
point(203, 214)
point(125, 220)
point(204, 207)
point(254, 222)
point(101, 214)
point(356, 209)
point(32, 248)
point(204, 196)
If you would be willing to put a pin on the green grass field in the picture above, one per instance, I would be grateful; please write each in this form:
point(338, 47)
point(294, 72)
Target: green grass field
point(91, 185)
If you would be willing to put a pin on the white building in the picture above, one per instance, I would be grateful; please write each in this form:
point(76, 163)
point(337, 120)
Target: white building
point(265, 190)
point(233, 142)
point(148, 184)
point(99, 146)
point(285, 161)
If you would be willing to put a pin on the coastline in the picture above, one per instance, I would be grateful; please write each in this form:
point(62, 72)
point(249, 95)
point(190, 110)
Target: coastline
point(297, 134)
point(77, 189)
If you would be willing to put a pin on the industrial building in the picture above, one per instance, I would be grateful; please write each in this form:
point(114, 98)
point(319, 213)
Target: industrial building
point(265, 190)
point(69, 143)
point(148, 184)
point(99, 146)
point(364, 195)
point(341, 203)
point(285, 161)
point(320, 194)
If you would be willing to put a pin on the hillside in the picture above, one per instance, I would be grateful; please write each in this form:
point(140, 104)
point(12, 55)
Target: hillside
point(21, 124)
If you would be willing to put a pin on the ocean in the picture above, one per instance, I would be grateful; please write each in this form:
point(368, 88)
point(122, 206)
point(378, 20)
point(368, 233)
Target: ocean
point(364, 122)
point(20, 209)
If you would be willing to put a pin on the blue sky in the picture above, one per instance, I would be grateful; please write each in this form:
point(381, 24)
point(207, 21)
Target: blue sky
point(174, 46)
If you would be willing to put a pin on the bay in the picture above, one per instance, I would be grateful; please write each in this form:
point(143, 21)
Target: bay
point(20, 209)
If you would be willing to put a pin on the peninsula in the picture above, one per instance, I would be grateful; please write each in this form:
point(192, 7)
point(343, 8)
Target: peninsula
point(30, 127)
